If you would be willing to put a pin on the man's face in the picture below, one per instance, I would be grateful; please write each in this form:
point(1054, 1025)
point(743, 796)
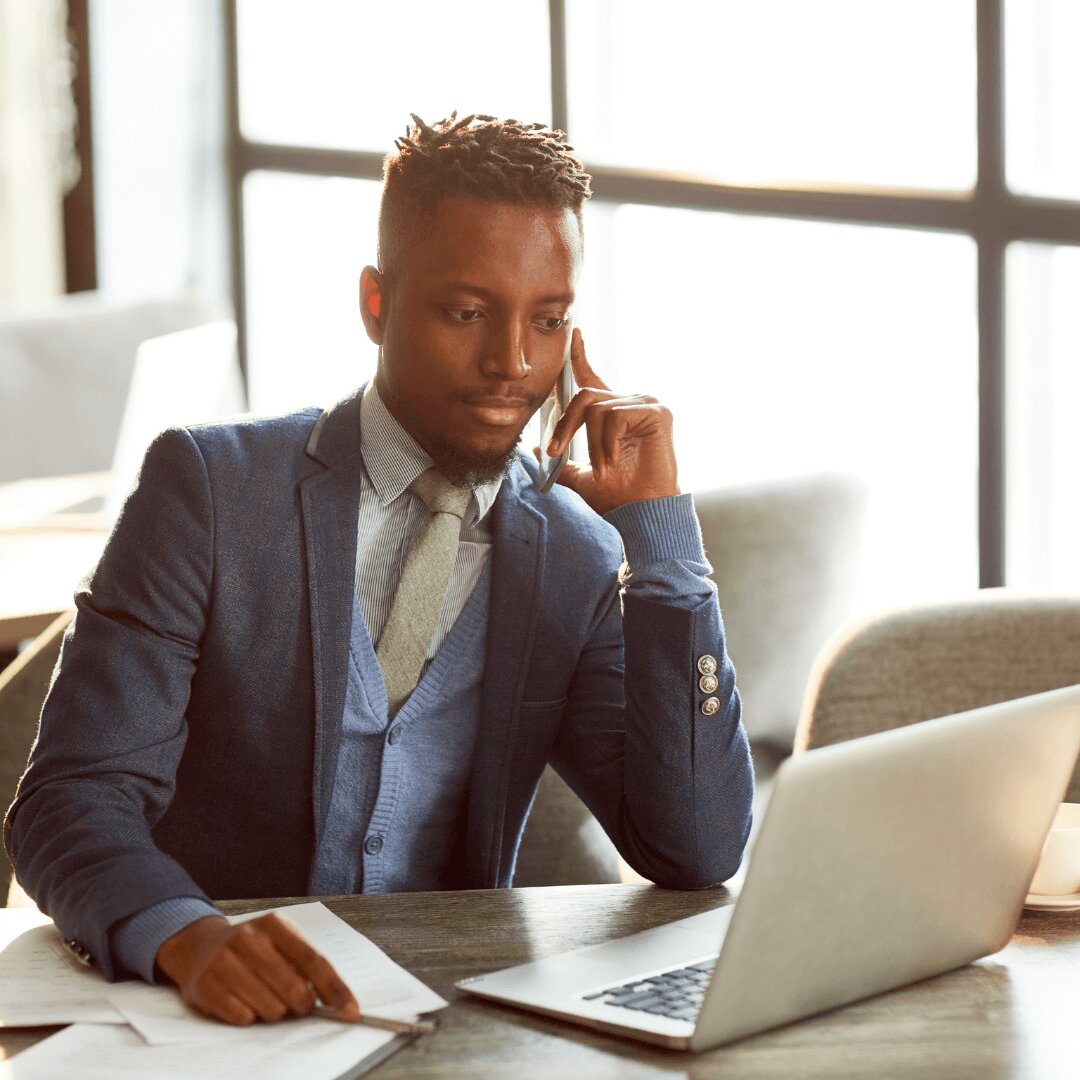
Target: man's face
point(473, 323)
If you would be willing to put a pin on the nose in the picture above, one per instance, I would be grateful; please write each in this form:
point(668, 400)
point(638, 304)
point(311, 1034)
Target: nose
point(504, 358)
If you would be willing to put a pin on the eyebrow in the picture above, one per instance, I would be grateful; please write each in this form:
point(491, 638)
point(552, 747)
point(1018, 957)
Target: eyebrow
point(478, 290)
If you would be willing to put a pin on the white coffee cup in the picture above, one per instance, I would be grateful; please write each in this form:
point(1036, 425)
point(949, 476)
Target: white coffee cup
point(1058, 872)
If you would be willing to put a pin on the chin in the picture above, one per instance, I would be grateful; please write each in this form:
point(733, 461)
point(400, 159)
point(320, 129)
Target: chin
point(469, 466)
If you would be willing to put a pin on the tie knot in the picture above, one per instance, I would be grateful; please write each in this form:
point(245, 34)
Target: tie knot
point(439, 495)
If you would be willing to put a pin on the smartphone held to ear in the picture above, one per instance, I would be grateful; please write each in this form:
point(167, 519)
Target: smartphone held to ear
point(551, 413)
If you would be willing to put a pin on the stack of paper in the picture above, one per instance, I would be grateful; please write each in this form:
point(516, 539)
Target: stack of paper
point(133, 1029)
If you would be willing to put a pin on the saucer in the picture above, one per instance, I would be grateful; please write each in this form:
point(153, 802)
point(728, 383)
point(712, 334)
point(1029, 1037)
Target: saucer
point(1065, 902)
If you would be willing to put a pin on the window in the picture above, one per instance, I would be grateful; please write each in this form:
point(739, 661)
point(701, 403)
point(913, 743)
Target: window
point(777, 91)
point(798, 237)
point(1043, 394)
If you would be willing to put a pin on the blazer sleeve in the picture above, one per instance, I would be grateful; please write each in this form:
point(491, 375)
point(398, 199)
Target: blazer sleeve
point(671, 782)
point(103, 768)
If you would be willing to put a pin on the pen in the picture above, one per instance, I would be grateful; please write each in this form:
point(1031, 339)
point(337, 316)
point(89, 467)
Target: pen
point(404, 1027)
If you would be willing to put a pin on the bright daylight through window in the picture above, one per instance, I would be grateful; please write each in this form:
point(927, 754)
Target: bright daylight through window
point(784, 346)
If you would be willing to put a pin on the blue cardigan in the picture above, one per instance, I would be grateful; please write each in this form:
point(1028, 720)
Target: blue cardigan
point(187, 745)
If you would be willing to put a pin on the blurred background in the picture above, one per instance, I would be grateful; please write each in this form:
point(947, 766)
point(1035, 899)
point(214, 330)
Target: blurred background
point(840, 239)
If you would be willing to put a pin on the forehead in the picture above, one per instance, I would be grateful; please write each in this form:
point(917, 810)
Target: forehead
point(468, 239)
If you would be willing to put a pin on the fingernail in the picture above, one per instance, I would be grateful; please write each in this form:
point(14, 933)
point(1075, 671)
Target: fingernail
point(351, 1011)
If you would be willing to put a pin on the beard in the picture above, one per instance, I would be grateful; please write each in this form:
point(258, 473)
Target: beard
point(471, 469)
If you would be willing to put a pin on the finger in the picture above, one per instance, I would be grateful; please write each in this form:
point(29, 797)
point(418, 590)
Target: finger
point(276, 971)
point(574, 417)
point(611, 436)
point(233, 973)
point(624, 417)
point(314, 967)
point(594, 429)
point(213, 998)
point(605, 425)
point(584, 375)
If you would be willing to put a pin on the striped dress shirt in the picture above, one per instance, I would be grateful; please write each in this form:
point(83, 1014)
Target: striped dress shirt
point(391, 516)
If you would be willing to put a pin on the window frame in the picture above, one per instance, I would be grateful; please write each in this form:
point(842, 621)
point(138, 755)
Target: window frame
point(991, 215)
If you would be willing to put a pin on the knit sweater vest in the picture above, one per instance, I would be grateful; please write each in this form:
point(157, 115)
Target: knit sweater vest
point(400, 789)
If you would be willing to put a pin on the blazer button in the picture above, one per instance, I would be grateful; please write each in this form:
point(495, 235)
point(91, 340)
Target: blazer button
point(710, 706)
point(706, 664)
point(373, 844)
point(79, 951)
point(708, 684)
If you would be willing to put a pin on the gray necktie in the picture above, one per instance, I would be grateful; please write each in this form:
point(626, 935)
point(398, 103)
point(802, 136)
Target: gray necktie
point(421, 593)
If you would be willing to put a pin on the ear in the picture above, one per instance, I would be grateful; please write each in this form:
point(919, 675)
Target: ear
point(373, 303)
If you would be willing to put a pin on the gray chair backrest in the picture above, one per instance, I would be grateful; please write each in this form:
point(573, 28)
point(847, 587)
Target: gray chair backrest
point(563, 843)
point(784, 556)
point(23, 686)
point(907, 666)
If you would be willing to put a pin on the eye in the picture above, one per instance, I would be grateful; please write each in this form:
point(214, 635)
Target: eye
point(463, 315)
point(551, 323)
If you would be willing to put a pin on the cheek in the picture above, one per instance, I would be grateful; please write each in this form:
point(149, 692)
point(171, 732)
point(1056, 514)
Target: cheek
point(432, 349)
point(548, 355)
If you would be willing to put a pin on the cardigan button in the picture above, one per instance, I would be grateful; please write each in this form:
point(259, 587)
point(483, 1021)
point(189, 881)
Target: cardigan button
point(394, 736)
point(373, 845)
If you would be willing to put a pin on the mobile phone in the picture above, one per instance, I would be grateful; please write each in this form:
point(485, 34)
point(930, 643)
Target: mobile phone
point(550, 414)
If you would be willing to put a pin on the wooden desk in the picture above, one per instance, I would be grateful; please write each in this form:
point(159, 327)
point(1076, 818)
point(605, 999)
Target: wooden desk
point(1016, 1014)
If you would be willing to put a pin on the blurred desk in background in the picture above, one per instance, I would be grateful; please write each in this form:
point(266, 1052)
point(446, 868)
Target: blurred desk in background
point(52, 532)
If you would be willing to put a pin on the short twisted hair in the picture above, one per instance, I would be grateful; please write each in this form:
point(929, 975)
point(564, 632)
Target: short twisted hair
point(476, 157)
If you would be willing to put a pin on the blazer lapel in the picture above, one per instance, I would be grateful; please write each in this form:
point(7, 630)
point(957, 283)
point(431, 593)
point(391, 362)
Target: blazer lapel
point(330, 507)
point(519, 540)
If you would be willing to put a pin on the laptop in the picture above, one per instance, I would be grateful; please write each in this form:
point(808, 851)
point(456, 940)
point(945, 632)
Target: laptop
point(881, 861)
point(185, 377)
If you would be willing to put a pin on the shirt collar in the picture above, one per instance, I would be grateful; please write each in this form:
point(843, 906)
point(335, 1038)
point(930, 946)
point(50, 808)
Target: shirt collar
point(394, 459)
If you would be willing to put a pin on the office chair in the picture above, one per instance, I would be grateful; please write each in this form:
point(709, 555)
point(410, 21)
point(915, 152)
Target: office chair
point(23, 686)
point(563, 844)
point(929, 661)
point(783, 555)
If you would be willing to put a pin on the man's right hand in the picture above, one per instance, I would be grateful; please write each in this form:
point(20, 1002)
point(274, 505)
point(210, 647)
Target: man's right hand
point(256, 970)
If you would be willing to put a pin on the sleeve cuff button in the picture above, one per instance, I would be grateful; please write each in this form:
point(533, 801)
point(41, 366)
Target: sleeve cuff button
point(710, 706)
point(706, 664)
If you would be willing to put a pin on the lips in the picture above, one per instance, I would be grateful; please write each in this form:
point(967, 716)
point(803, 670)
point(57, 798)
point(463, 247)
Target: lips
point(498, 411)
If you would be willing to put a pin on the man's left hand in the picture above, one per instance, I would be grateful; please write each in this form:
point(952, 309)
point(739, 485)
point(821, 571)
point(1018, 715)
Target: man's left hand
point(631, 453)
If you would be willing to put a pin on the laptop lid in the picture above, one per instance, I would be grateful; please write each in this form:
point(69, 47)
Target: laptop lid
point(186, 377)
point(891, 858)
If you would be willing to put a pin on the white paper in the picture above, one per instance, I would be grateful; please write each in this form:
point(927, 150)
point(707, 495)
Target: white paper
point(381, 986)
point(40, 983)
point(310, 1049)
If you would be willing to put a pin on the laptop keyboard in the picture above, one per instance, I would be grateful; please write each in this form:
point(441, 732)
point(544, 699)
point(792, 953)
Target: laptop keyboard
point(677, 994)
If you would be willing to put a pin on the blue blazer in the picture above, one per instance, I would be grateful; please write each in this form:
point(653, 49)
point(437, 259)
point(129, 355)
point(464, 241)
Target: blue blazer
point(187, 745)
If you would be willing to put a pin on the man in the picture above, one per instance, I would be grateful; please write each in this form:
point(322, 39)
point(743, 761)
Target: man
point(250, 701)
